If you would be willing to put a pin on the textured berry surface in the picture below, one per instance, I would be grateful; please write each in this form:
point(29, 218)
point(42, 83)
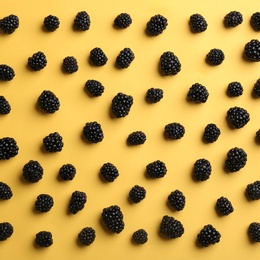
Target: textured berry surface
point(77, 201)
point(51, 23)
point(202, 170)
point(121, 105)
point(5, 107)
point(9, 24)
point(109, 172)
point(235, 89)
point(140, 237)
point(82, 21)
point(48, 102)
point(156, 169)
point(67, 172)
point(237, 117)
point(87, 236)
point(123, 21)
point(198, 93)
point(211, 133)
point(43, 239)
point(174, 131)
point(136, 138)
point(6, 230)
point(5, 191)
point(125, 58)
point(6, 72)
point(198, 23)
point(98, 57)
point(156, 25)
point(252, 50)
point(70, 65)
point(254, 231)
point(37, 61)
point(53, 143)
point(208, 236)
point(32, 171)
point(257, 136)
point(171, 228)
point(93, 132)
point(44, 203)
point(94, 88)
point(224, 206)
point(255, 21)
point(8, 148)
point(236, 159)
point(215, 57)
point(253, 191)
point(233, 19)
point(154, 95)
point(256, 89)
point(169, 64)
point(137, 194)
point(177, 200)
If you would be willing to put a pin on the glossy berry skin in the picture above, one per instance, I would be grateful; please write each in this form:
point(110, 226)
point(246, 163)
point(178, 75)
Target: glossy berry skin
point(5, 191)
point(44, 203)
point(202, 170)
point(156, 169)
point(82, 21)
point(37, 61)
point(156, 25)
point(237, 117)
point(136, 138)
point(5, 107)
point(48, 102)
point(198, 23)
point(9, 24)
point(169, 64)
point(254, 232)
point(70, 65)
point(6, 230)
point(256, 89)
point(32, 171)
point(235, 89)
point(98, 57)
point(211, 133)
point(53, 143)
point(253, 191)
point(43, 239)
point(109, 172)
point(154, 95)
point(174, 131)
point(94, 88)
point(224, 206)
point(8, 148)
point(198, 93)
point(121, 105)
point(140, 237)
point(137, 194)
point(177, 200)
point(92, 132)
point(77, 201)
point(87, 236)
point(233, 19)
point(171, 228)
point(51, 23)
point(125, 58)
point(123, 21)
point(67, 172)
point(255, 21)
point(6, 72)
point(208, 236)
point(236, 159)
point(252, 50)
point(215, 57)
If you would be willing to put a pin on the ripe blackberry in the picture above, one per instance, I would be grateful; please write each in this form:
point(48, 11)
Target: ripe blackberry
point(156, 25)
point(235, 89)
point(94, 88)
point(109, 172)
point(77, 201)
point(125, 58)
point(137, 194)
point(237, 117)
point(208, 236)
point(37, 61)
point(257, 136)
point(215, 57)
point(156, 169)
point(67, 172)
point(82, 21)
point(93, 132)
point(44, 203)
point(87, 236)
point(121, 105)
point(174, 131)
point(6, 72)
point(140, 237)
point(236, 159)
point(154, 95)
point(48, 102)
point(32, 171)
point(252, 50)
point(254, 231)
point(43, 239)
point(5, 107)
point(9, 24)
point(51, 23)
point(171, 228)
point(6, 230)
point(224, 206)
point(198, 93)
point(198, 23)
point(70, 65)
point(253, 191)
point(211, 133)
point(169, 64)
point(98, 57)
point(123, 21)
point(136, 138)
point(255, 21)
point(177, 200)
point(256, 89)
point(8, 148)
point(233, 19)
point(5, 191)
point(201, 170)
point(53, 142)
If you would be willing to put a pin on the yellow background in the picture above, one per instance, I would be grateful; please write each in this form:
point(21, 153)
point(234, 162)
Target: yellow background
point(28, 126)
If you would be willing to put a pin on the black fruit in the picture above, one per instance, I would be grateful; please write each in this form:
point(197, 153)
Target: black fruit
point(211, 133)
point(224, 206)
point(255, 21)
point(253, 191)
point(98, 57)
point(215, 57)
point(5, 107)
point(6, 72)
point(70, 65)
point(6, 230)
point(109, 172)
point(87, 236)
point(154, 95)
point(236, 159)
point(171, 228)
point(237, 117)
point(198, 23)
point(174, 131)
point(77, 201)
point(208, 236)
point(140, 237)
point(53, 143)
point(254, 231)
point(137, 194)
point(123, 21)
point(125, 58)
point(156, 169)
point(51, 23)
point(93, 132)
point(198, 93)
point(202, 170)
point(44, 203)
point(5, 191)
point(9, 24)
point(136, 138)
point(82, 21)
point(8, 148)
point(43, 239)
point(169, 64)
point(252, 50)
point(48, 102)
point(37, 61)
point(67, 172)
point(32, 171)
point(177, 200)
point(156, 25)
point(233, 19)
point(121, 105)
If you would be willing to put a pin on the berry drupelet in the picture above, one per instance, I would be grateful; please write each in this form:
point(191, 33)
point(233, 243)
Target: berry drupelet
point(43, 239)
point(70, 65)
point(37, 61)
point(82, 21)
point(254, 231)
point(154, 95)
point(233, 19)
point(198, 23)
point(5, 107)
point(125, 58)
point(224, 206)
point(32, 171)
point(8, 148)
point(77, 201)
point(136, 138)
point(237, 117)
point(257, 136)
point(171, 228)
point(48, 102)
point(211, 133)
point(87, 236)
point(121, 105)
point(109, 172)
point(202, 170)
point(215, 57)
point(113, 219)
point(98, 57)
point(9, 24)
point(256, 89)
point(156, 25)
point(53, 143)
point(51, 23)
point(255, 21)
point(6, 72)
point(174, 131)
point(236, 159)
point(140, 237)
point(169, 64)
point(156, 169)
point(208, 236)
point(67, 172)
point(123, 21)
point(235, 89)
point(253, 191)
point(198, 93)
point(5, 191)
point(177, 200)
point(6, 230)
point(93, 132)
point(137, 194)
point(252, 50)
point(94, 88)
point(44, 203)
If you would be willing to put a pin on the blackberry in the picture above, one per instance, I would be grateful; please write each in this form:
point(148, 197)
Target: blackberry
point(37, 61)
point(255, 21)
point(94, 88)
point(154, 95)
point(51, 23)
point(208, 236)
point(198, 23)
point(93, 132)
point(169, 64)
point(177, 200)
point(224, 206)
point(123, 21)
point(201, 170)
point(256, 89)
point(252, 50)
point(9, 24)
point(236, 159)
point(137, 194)
point(171, 228)
point(5, 191)
point(70, 65)
point(257, 136)
point(136, 138)
point(87, 236)
point(67, 172)
point(215, 57)
point(82, 21)
point(211, 133)
point(253, 191)
point(32, 171)
point(6, 72)
point(237, 117)
point(254, 231)
point(77, 201)
point(121, 105)
point(48, 102)
point(6, 230)
point(98, 57)
point(43, 239)
point(109, 172)
point(113, 219)
point(233, 19)
point(125, 58)
point(140, 237)
point(53, 143)
point(156, 169)
point(235, 89)
point(198, 93)
point(156, 25)
point(174, 131)
point(5, 107)
point(44, 203)
point(8, 148)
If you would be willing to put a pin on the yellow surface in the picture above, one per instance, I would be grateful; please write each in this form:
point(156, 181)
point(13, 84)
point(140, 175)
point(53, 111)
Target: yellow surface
point(28, 126)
